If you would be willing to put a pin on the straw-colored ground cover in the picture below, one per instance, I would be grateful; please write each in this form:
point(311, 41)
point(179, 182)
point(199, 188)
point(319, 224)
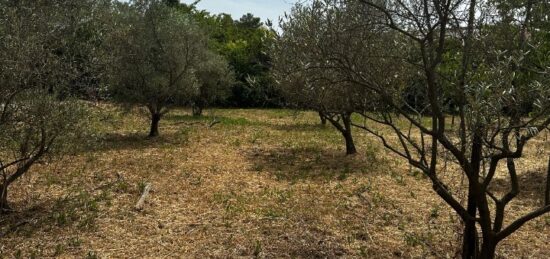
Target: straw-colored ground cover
point(261, 183)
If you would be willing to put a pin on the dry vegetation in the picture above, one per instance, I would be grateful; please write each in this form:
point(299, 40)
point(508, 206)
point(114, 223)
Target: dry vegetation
point(261, 183)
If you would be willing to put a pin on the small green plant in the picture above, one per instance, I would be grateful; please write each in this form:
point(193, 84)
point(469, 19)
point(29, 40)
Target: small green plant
point(257, 167)
point(184, 135)
point(363, 188)
point(92, 255)
point(59, 250)
point(398, 178)
point(412, 240)
point(257, 248)
point(344, 173)
point(237, 142)
point(255, 137)
point(122, 187)
point(75, 242)
point(272, 213)
point(60, 218)
point(434, 213)
point(141, 186)
point(34, 254)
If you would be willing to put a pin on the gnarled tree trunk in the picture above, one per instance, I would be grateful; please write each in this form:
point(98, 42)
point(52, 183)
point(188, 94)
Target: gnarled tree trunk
point(197, 110)
point(155, 119)
point(350, 145)
point(345, 129)
point(470, 245)
point(4, 206)
point(323, 118)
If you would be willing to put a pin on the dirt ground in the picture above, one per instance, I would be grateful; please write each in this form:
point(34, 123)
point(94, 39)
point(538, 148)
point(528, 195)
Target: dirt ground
point(260, 183)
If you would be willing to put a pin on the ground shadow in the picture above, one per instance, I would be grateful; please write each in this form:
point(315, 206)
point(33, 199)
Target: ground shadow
point(137, 141)
point(185, 119)
point(307, 163)
point(302, 127)
point(26, 221)
point(78, 210)
point(532, 185)
point(307, 242)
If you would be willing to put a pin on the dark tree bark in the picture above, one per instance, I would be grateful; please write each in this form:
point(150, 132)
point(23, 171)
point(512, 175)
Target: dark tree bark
point(4, 206)
point(197, 110)
point(323, 118)
point(344, 129)
point(155, 119)
point(470, 246)
point(469, 241)
point(350, 145)
point(489, 249)
point(547, 192)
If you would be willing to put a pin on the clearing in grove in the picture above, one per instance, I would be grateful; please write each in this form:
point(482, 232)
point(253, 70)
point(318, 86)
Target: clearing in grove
point(260, 183)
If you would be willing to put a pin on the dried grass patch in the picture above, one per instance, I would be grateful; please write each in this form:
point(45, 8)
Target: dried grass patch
point(261, 183)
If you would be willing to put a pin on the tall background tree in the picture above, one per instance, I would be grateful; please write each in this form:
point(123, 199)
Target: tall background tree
point(215, 78)
point(158, 57)
point(245, 45)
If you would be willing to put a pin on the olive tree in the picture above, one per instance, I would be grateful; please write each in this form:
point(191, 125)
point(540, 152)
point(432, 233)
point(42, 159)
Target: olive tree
point(158, 54)
point(215, 79)
point(303, 66)
point(415, 42)
point(487, 85)
point(35, 120)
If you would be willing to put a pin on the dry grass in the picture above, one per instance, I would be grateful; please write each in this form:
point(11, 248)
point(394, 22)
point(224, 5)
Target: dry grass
point(262, 183)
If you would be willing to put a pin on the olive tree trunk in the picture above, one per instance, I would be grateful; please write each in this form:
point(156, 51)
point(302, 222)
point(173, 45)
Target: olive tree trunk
point(323, 118)
point(470, 245)
point(197, 110)
point(350, 145)
point(4, 206)
point(547, 191)
point(343, 124)
point(155, 119)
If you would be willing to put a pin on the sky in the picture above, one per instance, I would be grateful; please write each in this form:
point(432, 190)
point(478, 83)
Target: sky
point(265, 9)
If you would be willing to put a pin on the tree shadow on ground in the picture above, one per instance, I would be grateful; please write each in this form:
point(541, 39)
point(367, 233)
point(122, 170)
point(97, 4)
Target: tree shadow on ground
point(307, 242)
point(531, 184)
point(184, 119)
point(302, 127)
point(303, 163)
point(77, 210)
point(138, 141)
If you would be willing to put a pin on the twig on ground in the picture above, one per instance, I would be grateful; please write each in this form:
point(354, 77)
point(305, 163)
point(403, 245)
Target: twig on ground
point(141, 201)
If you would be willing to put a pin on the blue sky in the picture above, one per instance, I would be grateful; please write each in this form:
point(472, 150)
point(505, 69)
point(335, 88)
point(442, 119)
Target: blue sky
point(265, 9)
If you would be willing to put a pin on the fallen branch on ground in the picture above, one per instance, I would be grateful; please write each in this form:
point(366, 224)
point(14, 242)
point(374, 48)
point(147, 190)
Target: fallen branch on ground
point(214, 122)
point(141, 201)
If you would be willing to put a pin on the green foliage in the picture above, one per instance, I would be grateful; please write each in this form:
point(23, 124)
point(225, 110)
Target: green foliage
point(244, 44)
point(156, 52)
point(38, 114)
point(161, 59)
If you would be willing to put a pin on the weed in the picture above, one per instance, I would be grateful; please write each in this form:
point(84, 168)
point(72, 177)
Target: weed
point(434, 213)
point(122, 187)
point(141, 186)
point(59, 250)
point(257, 248)
point(183, 135)
point(92, 255)
point(398, 178)
point(75, 242)
point(412, 240)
